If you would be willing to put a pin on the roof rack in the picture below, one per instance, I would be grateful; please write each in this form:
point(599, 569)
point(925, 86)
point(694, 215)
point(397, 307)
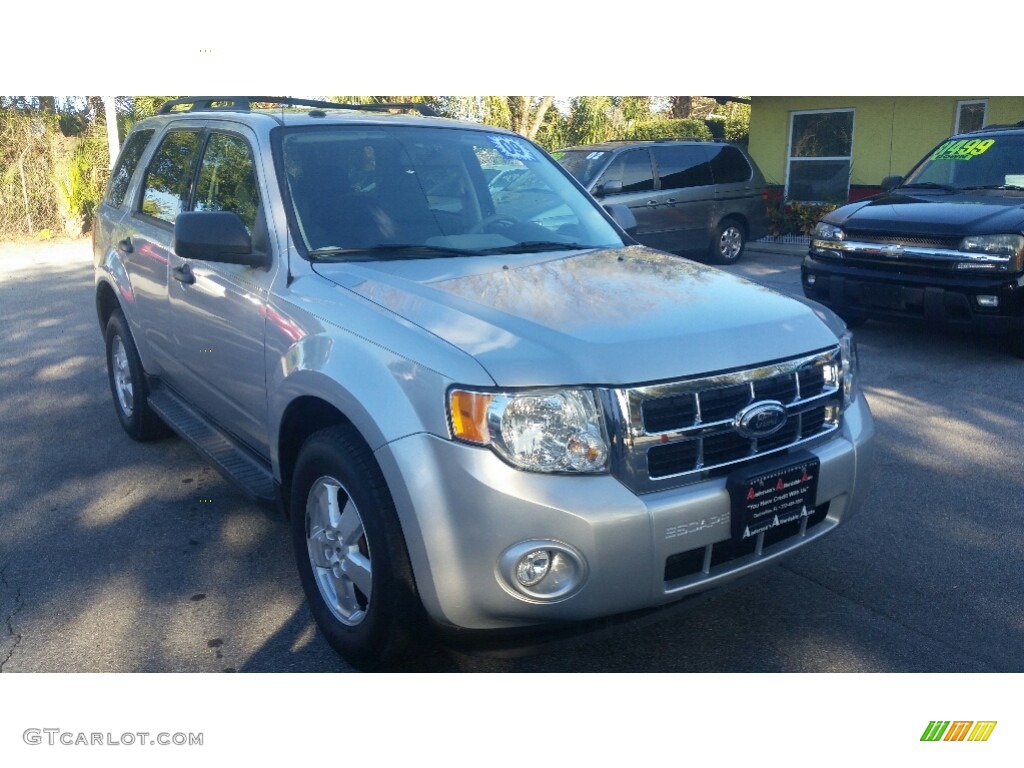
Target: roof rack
point(244, 104)
point(667, 138)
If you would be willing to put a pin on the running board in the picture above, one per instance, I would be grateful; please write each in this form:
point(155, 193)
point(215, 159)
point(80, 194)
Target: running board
point(233, 461)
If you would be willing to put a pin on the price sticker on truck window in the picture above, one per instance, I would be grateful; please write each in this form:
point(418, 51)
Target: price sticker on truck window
point(963, 149)
point(512, 149)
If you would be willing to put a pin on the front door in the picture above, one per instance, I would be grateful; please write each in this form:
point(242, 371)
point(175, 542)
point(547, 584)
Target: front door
point(632, 169)
point(219, 310)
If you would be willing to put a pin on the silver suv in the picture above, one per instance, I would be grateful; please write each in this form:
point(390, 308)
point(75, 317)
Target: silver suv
point(481, 410)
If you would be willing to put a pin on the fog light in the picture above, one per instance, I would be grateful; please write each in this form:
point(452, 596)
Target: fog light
point(542, 570)
point(533, 567)
point(987, 301)
point(809, 279)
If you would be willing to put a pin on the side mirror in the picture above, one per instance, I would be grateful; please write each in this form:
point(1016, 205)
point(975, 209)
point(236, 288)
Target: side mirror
point(218, 236)
point(623, 217)
point(889, 182)
point(609, 188)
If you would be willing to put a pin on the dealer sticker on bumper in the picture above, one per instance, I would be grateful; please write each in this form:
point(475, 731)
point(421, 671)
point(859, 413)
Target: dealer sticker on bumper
point(773, 495)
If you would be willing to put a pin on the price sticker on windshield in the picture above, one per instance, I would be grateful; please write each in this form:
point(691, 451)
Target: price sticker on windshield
point(512, 149)
point(964, 149)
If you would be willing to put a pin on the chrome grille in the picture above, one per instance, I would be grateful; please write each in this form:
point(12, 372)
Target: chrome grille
point(680, 432)
point(951, 243)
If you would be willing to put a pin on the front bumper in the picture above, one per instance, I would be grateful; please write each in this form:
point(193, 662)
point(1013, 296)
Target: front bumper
point(940, 300)
point(461, 507)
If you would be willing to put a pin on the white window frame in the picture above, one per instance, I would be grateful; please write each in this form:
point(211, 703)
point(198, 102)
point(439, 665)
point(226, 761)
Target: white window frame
point(789, 148)
point(964, 103)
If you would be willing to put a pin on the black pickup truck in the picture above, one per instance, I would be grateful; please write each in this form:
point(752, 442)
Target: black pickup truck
point(943, 246)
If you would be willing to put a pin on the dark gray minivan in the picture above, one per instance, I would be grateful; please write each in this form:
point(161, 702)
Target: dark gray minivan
point(687, 195)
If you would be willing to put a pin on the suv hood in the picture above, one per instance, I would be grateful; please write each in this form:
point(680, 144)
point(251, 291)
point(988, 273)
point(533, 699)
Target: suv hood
point(935, 213)
point(603, 317)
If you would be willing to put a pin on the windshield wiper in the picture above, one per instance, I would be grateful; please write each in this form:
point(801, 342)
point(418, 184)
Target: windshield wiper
point(374, 252)
point(928, 185)
point(539, 245)
point(994, 186)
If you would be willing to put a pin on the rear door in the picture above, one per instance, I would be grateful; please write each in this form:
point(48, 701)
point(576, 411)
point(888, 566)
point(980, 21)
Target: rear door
point(686, 195)
point(738, 189)
point(146, 237)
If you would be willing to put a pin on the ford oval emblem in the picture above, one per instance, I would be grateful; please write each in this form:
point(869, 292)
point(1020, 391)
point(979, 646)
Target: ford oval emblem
point(761, 419)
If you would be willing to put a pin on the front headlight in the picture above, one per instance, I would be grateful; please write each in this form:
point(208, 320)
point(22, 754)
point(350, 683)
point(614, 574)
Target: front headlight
point(825, 231)
point(1008, 247)
point(850, 366)
point(541, 431)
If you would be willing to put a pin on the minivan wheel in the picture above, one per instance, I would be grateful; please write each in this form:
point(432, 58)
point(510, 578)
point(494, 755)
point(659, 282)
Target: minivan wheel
point(728, 242)
point(128, 383)
point(350, 551)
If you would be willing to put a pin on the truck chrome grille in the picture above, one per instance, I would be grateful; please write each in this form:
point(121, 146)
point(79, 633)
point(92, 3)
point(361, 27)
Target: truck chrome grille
point(679, 432)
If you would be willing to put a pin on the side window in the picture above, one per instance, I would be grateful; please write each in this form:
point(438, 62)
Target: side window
point(633, 169)
point(127, 161)
point(169, 175)
point(728, 165)
point(227, 179)
point(683, 165)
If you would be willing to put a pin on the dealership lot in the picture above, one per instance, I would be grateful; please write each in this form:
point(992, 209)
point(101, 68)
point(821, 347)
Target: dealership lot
point(116, 556)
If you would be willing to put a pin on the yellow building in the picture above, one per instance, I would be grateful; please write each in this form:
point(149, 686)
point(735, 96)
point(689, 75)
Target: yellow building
point(830, 149)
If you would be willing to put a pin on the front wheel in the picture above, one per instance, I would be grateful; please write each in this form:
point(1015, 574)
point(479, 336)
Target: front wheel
point(350, 551)
point(727, 242)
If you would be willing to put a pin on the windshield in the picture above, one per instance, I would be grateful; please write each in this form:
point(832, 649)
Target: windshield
point(584, 164)
point(413, 192)
point(972, 163)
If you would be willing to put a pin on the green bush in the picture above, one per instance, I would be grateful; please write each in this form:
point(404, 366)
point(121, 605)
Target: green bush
point(684, 128)
point(795, 218)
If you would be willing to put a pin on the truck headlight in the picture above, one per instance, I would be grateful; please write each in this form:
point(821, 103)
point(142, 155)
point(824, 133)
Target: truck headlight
point(1009, 247)
point(825, 231)
point(539, 431)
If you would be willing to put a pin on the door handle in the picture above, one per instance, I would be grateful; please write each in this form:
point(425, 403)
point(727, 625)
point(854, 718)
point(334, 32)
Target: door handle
point(183, 274)
point(125, 246)
point(652, 202)
point(671, 200)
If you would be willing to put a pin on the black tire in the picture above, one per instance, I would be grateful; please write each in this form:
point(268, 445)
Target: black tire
point(128, 385)
point(372, 628)
point(1015, 344)
point(728, 241)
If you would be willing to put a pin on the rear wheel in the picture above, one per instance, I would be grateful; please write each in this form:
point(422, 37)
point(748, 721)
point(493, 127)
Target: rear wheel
point(128, 383)
point(350, 551)
point(727, 242)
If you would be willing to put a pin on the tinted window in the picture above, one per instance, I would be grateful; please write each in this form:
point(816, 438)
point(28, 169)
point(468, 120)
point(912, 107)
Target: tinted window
point(728, 165)
point(127, 161)
point(682, 166)
point(227, 179)
point(169, 175)
point(633, 169)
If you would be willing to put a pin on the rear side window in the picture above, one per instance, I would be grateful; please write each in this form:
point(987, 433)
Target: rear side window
point(227, 179)
point(728, 165)
point(685, 165)
point(169, 176)
point(127, 162)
